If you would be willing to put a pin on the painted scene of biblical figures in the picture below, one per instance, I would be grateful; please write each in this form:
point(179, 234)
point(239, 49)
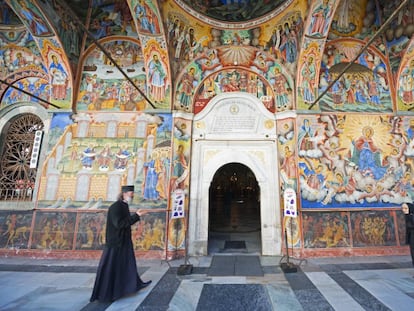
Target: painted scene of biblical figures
point(91, 231)
point(235, 80)
point(53, 230)
point(373, 228)
point(15, 229)
point(104, 87)
point(150, 232)
point(355, 161)
point(363, 87)
point(326, 230)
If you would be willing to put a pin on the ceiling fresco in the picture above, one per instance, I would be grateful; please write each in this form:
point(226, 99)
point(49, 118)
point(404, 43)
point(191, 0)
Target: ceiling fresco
point(233, 10)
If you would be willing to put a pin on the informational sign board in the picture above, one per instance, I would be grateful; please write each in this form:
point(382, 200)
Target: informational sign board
point(289, 197)
point(178, 198)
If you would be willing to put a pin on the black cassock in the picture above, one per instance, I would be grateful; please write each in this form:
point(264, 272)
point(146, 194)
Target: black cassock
point(117, 274)
point(409, 229)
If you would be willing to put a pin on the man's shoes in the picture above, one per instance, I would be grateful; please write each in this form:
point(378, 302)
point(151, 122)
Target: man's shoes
point(144, 284)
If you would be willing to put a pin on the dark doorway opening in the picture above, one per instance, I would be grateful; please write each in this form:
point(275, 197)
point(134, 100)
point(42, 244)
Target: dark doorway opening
point(234, 211)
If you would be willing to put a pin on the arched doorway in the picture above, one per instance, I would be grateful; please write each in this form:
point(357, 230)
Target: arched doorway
point(234, 208)
point(234, 127)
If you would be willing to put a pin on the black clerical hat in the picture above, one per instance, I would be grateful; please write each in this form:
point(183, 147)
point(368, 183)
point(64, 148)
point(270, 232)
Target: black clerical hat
point(127, 188)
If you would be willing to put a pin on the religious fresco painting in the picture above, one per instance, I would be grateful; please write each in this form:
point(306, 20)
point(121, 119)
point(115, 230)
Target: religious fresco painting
point(53, 230)
point(234, 80)
point(373, 228)
point(15, 229)
point(364, 87)
point(284, 40)
point(19, 92)
point(90, 233)
point(287, 153)
point(150, 233)
point(87, 171)
point(32, 18)
point(104, 88)
point(214, 72)
point(405, 83)
point(158, 74)
point(352, 161)
point(112, 18)
point(326, 230)
point(233, 11)
point(58, 124)
point(147, 17)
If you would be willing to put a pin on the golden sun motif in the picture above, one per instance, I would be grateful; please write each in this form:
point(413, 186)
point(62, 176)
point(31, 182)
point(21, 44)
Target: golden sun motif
point(357, 126)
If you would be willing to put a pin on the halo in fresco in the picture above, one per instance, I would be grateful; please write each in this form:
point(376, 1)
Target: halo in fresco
point(233, 11)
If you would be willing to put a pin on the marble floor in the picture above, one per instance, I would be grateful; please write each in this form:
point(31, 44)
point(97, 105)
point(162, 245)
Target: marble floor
point(354, 283)
point(234, 276)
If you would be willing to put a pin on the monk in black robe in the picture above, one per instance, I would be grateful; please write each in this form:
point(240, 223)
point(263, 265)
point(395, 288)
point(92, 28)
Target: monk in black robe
point(408, 210)
point(117, 274)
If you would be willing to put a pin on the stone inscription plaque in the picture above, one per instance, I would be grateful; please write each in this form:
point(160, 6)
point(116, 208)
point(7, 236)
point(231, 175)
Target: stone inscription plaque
point(236, 123)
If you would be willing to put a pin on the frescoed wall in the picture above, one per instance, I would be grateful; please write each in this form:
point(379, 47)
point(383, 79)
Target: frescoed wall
point(352, 161)
point(344, 131)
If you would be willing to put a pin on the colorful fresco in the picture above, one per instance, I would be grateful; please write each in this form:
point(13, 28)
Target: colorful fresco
point(349, 17)
point(131, 151)
point(231, 69)
point(233, 11)
point(284, 40)
point(17, 59)
point(355, 161)
point(53, 230)
point(112, 18)
point(147, 15)
point(150, 233)
point(21, 90)
point(32, 18)
point(287, 153)
point(7, 16)
point(235, 80)
point(69, 33)
point(405, 83)
point(60, 121)
point(326, 230)
point(364, 87)
point(90, 233)
point(104, 88)
point(373, 228)
point(15, 229)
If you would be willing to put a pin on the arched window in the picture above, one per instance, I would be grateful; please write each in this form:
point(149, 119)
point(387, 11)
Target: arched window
point(18, 151)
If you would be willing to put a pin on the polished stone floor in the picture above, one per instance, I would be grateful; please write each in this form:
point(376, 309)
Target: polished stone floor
point(356, 283)
point(234, 276)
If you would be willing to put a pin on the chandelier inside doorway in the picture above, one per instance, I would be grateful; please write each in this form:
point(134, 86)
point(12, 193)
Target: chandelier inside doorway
point(17, 178)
